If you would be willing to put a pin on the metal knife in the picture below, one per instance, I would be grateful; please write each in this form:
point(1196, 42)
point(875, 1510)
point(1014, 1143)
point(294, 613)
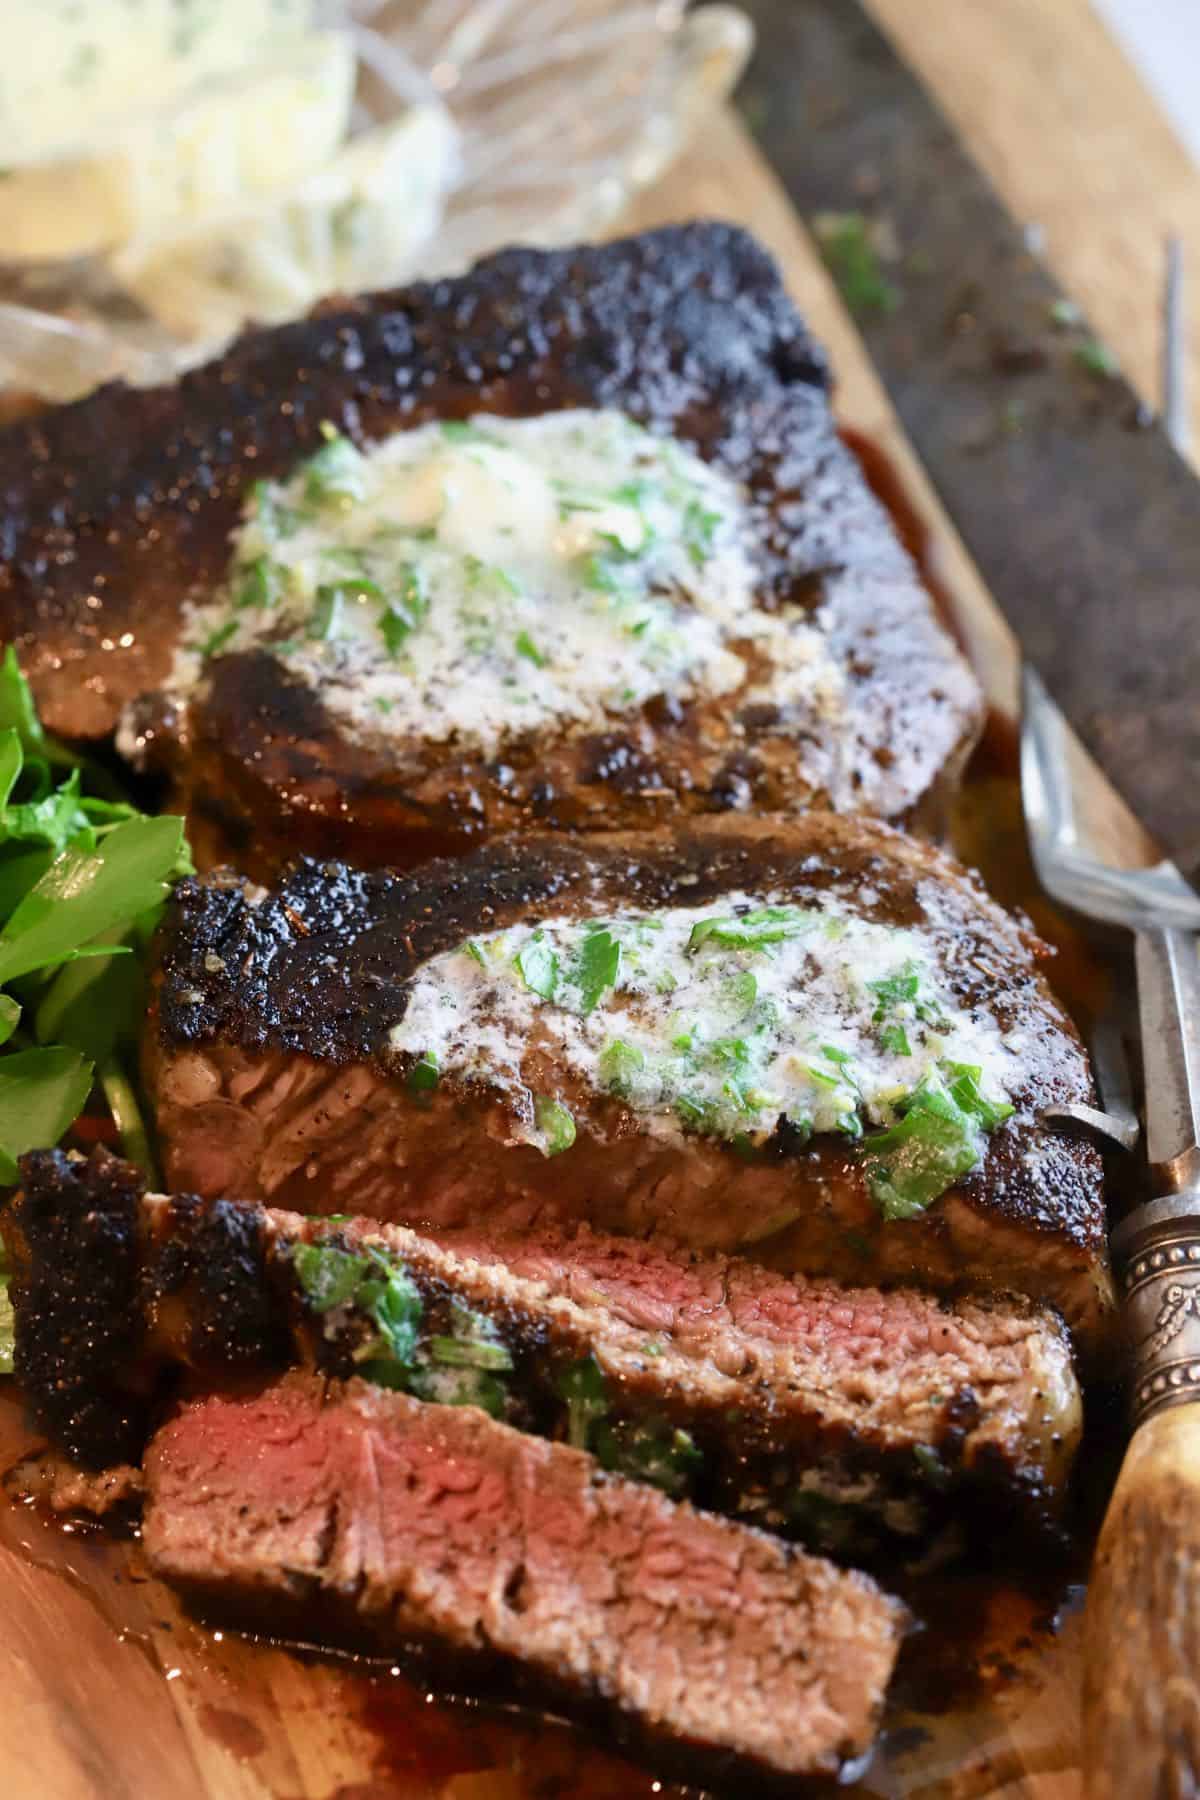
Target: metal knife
point(1083, 520)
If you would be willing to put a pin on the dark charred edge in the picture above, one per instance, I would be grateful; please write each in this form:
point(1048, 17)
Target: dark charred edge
point(321, 966)
point(325, 1620)
point(690, 323)
point(207, 1290)
point(117, 511)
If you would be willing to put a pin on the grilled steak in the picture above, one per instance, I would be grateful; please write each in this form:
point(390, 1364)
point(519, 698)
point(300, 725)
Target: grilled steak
point(686, 597)
point(848, 1417)
point(708, 1031)
point(386, 1521)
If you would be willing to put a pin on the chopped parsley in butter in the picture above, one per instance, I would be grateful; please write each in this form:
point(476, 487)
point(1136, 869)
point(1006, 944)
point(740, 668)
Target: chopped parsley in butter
point(732, 1020)
point(477, 580)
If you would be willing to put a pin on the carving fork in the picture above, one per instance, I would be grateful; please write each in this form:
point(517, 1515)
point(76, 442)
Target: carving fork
point(1141, 1701)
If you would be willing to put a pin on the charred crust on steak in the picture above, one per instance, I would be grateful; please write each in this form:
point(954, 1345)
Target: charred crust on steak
point(119, 509)
point(211, 1289)
point(318, 970)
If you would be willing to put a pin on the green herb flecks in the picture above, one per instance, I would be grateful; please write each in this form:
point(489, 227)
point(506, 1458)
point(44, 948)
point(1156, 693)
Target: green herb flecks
point(380, 1290)
point(938, 1139)
point(334, 475)
point(597, 967)
point(526, 647)
point(217, 639)
point(585, 1391)
point(753, 930)
point(619, 1066)
point(1097, 359)
point(537, 964)
point(700, 525)
point(260, 585)
point(425, 1074)
point(555, 1123)
point(847, 245)
point(649, 1450)
point(407, 606)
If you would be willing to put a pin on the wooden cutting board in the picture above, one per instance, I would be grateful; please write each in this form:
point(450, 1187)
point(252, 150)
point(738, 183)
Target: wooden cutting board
point(107, 1692)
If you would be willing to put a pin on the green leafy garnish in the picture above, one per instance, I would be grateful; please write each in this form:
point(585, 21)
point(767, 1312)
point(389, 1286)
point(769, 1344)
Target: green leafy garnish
point(848, 251)
point(751, 930)
point(474, 1342)
point(406, 608)
point(585, 1391)
point(526, 647)
point(460, 431)
point(334, 475)
point(963, 1080)
point(374, 1285)
point(82, 878)
point(88, 890)
point(42, 1093)
point(597, 967)
point(424, 1074)
point(938, 1140)
point(325, 621)
point(217, 640)
point(537, 963)
point(619, 1064)
point(261, 584)
point(1097, 359)
point(329, 1276)
point(699, 529)
point(649, 1450)
point(555, 1122)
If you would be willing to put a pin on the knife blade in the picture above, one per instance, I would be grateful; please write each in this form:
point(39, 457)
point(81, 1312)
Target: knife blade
point(1083, 520)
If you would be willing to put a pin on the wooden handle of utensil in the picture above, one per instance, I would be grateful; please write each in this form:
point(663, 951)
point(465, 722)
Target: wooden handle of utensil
point(1141, 1701)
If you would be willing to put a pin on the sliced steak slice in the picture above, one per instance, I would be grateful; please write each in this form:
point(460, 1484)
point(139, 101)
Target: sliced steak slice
point(119, 513)
point(372, 1517)
point(856, 1420)
point(287, 1059)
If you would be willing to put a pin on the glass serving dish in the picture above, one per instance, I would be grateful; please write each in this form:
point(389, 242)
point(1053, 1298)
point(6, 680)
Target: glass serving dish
point(499, 121)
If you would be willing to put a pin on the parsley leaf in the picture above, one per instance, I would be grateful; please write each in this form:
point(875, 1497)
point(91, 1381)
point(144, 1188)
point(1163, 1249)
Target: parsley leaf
point(537, 962)
point(931, 1147)
point(597, 967)
point(751, 930)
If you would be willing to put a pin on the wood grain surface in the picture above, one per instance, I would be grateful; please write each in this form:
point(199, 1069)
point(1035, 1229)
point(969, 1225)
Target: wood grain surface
point(1071, 138)
point(106, 1691)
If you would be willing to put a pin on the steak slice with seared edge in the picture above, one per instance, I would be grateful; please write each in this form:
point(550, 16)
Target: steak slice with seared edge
point(130, 515)
point(694, 1038)
point(857, 1420)
point(373, 1517)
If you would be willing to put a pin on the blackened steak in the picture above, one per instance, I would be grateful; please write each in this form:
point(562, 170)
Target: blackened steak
point(847, 1417)
point(273, 1065)
point(371, 1516)
point(118, 511)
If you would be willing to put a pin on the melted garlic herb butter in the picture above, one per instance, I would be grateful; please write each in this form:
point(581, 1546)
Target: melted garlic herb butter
point(486, 579)
point(728, 1020)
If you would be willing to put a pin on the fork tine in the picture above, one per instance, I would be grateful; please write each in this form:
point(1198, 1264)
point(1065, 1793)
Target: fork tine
point(1070, 872)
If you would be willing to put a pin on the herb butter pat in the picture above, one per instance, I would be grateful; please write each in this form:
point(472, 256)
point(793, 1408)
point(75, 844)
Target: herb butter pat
point(477, 580)
point(735, 1020)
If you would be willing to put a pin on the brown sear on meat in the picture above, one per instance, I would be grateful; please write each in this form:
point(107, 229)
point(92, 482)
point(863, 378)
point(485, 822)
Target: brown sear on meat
point(119, 509)
point(269, 1063)
point(860, 1421)
point(367, 1515)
